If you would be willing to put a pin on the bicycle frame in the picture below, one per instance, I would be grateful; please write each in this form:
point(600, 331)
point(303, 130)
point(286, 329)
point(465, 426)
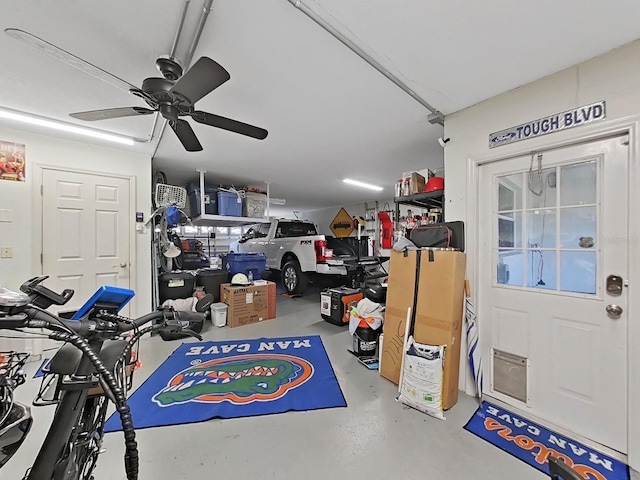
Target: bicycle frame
point(66, 418)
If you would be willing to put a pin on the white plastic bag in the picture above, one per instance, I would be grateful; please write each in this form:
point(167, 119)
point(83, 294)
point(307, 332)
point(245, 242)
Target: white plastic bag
point(421, 380)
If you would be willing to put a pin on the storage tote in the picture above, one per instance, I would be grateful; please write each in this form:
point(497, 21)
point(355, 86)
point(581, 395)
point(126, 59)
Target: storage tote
point(255, 205)
point(228, 204)
point(211, 199)
point(256, 263)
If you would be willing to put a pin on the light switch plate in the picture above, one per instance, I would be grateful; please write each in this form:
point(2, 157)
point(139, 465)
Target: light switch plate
point(6, 215)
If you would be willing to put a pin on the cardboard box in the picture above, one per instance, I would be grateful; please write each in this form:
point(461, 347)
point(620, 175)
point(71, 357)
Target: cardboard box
point(249, 304)
point(272, 300)
point(417, 183)
point(400, 296)
point(439, 312)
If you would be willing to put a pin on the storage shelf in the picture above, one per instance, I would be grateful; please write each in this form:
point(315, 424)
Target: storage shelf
point(423, 200)
point(227, 221)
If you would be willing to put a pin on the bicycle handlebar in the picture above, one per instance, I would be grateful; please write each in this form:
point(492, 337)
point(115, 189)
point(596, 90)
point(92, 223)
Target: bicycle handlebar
point(34, 317)
point(101, 325)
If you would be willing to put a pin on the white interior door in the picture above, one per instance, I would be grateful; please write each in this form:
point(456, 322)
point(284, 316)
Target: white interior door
point(551, 234)
point(85, 232)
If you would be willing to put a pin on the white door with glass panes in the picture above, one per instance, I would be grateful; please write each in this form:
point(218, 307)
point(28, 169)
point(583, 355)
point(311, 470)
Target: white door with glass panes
point(552, 293)
point(86, 233)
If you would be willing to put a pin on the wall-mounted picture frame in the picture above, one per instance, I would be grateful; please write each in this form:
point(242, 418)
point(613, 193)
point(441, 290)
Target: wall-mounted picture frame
point(12, 161)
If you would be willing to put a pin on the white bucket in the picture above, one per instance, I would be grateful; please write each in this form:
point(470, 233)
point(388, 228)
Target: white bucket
point(219, 314)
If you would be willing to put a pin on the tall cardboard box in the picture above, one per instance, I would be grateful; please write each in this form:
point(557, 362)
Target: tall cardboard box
point(400, 296)
point(248, 304)
point(272, 299)
point(440, 310)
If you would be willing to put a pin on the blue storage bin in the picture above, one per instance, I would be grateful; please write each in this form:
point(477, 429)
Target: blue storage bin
point(256, 263)
point(193, 192)
point(228, 204)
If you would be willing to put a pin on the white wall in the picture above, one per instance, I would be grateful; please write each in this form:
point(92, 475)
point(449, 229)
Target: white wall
point(613, 77)
point(23, 234)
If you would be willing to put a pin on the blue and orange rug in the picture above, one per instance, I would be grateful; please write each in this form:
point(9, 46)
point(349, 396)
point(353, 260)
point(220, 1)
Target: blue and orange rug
point(533, 444)
point(206, 380)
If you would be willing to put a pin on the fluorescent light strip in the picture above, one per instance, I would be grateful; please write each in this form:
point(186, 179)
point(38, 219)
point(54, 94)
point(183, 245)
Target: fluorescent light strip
point(362, 184)
point(65, 127)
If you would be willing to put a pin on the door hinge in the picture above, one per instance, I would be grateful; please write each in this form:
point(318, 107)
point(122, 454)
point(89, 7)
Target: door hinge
point(42, 190)
point(624, 140)
point(41, 259)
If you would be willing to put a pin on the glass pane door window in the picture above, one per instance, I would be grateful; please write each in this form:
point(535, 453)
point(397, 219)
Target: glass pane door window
point(546, 228)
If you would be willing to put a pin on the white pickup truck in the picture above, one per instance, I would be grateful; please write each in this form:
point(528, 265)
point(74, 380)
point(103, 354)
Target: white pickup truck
point(295, 249)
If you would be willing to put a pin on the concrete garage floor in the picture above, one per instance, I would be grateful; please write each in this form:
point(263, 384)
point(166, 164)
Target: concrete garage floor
point(375, 437)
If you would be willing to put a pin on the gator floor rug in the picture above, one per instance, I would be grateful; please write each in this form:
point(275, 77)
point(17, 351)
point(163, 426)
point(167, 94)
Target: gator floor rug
point(533, 444)
point(228, 379)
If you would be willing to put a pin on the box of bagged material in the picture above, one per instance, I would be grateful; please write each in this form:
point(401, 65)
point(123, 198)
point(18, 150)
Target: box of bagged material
point(400, 296)
point(439, 312)
point(249, 304)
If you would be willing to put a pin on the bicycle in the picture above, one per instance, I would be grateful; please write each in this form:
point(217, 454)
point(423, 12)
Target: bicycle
point(85, 374)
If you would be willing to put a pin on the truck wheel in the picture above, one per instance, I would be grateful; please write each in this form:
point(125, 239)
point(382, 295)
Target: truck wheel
point(294, 279)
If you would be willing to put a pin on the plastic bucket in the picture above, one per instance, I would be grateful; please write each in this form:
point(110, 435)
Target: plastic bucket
point(365, 341)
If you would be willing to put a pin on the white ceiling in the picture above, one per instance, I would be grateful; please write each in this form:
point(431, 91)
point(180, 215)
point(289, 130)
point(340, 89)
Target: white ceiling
point(329, 114)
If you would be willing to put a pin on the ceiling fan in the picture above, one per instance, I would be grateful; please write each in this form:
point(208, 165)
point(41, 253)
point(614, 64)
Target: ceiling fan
point(173, 96)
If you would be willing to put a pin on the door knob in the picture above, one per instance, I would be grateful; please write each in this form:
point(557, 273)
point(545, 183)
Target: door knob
point(614, 310)
point(122, 265)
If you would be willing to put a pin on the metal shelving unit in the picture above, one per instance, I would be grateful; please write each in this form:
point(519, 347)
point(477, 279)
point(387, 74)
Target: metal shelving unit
point(225, 220)
point(421, 200)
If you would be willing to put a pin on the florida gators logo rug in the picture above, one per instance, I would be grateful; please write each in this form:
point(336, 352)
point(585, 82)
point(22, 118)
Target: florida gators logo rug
point(534, 444)
point(206, 380)
point(240, 379)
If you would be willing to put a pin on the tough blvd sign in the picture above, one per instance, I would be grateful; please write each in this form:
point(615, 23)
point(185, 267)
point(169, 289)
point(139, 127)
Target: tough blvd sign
point(553, 123)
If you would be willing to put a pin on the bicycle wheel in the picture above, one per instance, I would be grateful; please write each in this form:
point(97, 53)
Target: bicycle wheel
point(85, 443)
point(89, 440)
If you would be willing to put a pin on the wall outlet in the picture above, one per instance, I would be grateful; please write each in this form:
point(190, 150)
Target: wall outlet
point(6, 252)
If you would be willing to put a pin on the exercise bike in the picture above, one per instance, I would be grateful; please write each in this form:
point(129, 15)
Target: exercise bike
point(85, 374)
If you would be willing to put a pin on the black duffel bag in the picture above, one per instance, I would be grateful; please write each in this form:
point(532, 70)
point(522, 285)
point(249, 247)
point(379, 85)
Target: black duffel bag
point(439, 235)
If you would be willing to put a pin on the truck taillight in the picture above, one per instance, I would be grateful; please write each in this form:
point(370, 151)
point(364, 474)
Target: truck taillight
point(322, 252)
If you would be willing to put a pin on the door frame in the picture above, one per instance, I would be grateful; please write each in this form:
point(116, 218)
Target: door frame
point(37, 219)
point(625, 126)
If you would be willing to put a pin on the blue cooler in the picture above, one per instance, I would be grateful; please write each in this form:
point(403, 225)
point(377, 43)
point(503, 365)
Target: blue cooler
point(256, 263)
point(228, 204)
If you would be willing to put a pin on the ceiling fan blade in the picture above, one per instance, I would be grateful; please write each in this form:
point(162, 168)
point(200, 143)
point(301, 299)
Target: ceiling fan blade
point(229, 124)
point(70, 59)
point(204, 76)
point(186, 135)
point(108, 113)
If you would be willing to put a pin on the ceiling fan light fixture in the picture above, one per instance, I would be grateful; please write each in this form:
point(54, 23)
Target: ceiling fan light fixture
point(363, 184)
point(65, 127)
